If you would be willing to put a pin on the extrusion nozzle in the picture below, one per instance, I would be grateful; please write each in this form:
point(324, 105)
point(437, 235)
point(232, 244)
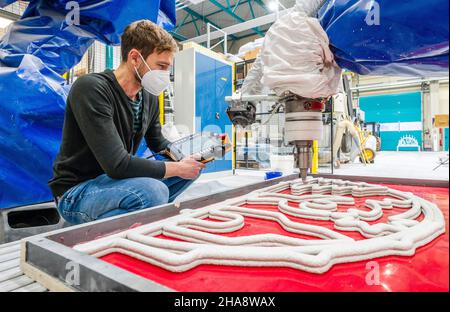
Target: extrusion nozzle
point(303, 174)
point(304, 155)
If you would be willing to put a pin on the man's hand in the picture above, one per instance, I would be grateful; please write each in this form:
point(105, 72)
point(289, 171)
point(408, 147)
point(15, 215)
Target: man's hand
point(188, 169)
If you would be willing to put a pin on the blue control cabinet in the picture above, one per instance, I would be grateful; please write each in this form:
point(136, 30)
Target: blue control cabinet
point(214, 81)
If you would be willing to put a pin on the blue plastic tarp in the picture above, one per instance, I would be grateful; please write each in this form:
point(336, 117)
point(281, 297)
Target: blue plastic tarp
point(34, 53)
point(4, 3)
point(44, 32)
point(389, 37)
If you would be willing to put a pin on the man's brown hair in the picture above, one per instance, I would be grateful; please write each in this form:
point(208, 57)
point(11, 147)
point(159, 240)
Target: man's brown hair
point(146, 37)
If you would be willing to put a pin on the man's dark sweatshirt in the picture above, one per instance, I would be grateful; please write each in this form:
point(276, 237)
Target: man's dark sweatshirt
point(98, 135)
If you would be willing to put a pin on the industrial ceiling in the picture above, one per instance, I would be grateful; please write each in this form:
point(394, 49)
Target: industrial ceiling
point(194, 15)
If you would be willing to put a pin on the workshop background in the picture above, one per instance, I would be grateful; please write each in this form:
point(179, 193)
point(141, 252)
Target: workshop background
point(393, 108)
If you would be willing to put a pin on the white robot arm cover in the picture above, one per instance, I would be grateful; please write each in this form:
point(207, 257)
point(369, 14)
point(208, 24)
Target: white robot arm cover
point(252, 84)
point(297, 57)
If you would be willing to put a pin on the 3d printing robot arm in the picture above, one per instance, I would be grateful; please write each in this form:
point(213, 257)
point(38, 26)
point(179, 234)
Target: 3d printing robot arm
point(295, 46)
point(296, 63)
point(302, 57)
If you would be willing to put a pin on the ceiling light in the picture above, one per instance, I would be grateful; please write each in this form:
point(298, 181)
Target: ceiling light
point(273, 6)
point(196, 1)
point(4, 22)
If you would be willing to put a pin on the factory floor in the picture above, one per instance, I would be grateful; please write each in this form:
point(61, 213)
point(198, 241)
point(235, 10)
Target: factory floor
point(407, 165)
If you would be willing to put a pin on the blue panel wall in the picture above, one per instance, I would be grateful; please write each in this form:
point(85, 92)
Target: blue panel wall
point(213, 83)
point(399, 115)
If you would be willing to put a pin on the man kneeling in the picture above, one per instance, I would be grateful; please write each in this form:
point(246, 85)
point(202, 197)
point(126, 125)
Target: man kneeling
point(96, 174)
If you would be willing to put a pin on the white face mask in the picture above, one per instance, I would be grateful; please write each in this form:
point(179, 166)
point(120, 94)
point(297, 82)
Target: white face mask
point(154, 81)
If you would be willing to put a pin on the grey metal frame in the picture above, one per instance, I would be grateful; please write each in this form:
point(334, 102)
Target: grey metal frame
point(8, 234)
point(51, 253)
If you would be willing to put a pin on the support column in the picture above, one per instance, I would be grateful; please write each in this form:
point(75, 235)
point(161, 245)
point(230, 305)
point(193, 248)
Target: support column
point(434, 110)
point(109, 63)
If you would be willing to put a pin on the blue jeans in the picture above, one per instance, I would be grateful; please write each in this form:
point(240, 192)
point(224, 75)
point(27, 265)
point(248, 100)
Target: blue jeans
point(104, 197)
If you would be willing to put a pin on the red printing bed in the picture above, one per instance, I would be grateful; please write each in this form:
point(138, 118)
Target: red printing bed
point(427, 270)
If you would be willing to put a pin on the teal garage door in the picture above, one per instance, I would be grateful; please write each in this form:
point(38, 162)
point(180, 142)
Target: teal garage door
point(400, 116)
point(446, 139)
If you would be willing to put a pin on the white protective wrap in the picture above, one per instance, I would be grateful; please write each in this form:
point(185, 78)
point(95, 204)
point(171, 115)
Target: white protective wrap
point(297, 57)
point(252, 83)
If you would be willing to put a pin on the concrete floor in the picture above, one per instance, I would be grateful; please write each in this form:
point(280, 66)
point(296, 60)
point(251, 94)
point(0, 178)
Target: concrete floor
point(411, 165)
point(220, 182)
